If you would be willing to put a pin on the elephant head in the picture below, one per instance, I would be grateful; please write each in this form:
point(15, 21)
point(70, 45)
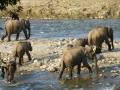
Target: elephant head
point(81, 42)
point(29, 46)
point(90, 52)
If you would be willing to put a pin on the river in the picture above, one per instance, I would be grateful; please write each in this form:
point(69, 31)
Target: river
point(59, 29)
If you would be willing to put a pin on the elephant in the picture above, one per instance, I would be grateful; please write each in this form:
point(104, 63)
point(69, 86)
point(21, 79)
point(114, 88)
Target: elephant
point(81, 42)
point(15, 27)
point(21, 48)
point(8, 70)
point(74, 56)
point(100, 34)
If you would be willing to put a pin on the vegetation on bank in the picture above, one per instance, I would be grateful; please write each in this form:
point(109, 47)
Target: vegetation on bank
point(74, 9)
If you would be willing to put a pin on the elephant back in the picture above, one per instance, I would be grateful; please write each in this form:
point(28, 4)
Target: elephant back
point(24, 45)
point(14, 26)
point(96, 36)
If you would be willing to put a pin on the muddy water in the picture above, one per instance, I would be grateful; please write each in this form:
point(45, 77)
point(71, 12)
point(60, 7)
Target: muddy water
point(54, 29)
point(38, 80)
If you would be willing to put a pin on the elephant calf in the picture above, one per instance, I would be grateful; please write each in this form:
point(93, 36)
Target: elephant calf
point(81, 42)
point(100, 34)
point(8, 70)
point(21, 48)
point(73, 56)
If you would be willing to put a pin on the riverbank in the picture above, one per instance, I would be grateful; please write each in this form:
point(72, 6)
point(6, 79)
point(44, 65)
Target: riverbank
point(68, 9)
point(46, 55)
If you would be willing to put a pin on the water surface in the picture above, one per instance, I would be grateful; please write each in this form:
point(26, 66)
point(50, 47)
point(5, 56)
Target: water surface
point(58, 29)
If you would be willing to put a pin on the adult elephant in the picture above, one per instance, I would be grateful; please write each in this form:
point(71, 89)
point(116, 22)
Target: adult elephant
point(20, 49)
point(74, 56)
point(15, 27)
point(100, 34)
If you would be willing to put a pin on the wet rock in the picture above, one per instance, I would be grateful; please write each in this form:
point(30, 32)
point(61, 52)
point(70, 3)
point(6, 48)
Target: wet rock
point(43, 67)
point(52, 69)
point(101, 75)
point(37, 63)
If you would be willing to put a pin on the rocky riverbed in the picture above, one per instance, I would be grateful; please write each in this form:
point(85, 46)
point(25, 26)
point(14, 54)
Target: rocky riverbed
point(46, 55)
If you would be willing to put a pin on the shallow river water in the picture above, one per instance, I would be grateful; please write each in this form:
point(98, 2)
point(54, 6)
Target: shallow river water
point(58, 29)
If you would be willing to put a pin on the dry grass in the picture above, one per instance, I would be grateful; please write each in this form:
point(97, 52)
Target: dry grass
point(72, 8)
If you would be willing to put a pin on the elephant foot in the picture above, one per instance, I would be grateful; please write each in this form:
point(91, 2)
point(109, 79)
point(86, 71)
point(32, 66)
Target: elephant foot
point(98, 51)
point(78, 75)
point(12, 82)
point(20, 64)
point(2, 75)
point(8, 40)
point(109, 49)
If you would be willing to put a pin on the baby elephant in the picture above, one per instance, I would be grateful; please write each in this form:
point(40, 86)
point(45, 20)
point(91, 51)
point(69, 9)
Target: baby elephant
point(73, 56)
point(81, 42)
point(8, 70)
point(21, 48)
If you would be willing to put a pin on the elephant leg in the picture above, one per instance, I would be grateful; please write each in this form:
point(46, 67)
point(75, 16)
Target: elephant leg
point(20, 60)
point(11, 76)
point(89, 68)
point(3, 37)
point(25, 33)
point(7, 74)
point(70, 72)
point(61, 72)
point(85, 64)
point(108, 43)
point(29, 56)
point(3, 72)
point(17, 36)
point(9, 37)
point(112, 44)
point(98, 50)
point(78, 69)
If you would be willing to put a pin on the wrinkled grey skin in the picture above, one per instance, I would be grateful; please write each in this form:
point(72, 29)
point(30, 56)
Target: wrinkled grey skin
point(74, 56)
point(15, 27)
point(81, 42)
point(8, 70)
point(21, 48)
point(98, 35)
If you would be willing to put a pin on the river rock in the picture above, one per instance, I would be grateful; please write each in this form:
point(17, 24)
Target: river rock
point(37, 63)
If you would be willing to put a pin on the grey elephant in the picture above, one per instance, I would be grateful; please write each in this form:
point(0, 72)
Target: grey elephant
point(74, 56)
point(8, 69)
point(100, 34)
point(15, 27)
point(81, 42)
point(20, 49)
